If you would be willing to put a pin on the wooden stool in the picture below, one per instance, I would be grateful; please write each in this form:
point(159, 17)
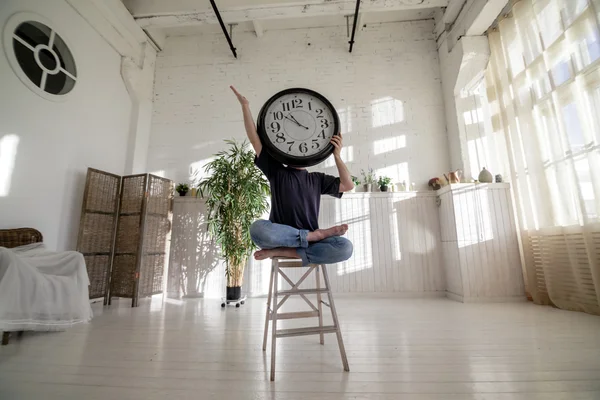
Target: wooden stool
point(273, 305)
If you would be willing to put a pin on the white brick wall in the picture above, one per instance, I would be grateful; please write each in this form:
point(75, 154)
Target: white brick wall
point(388, 93)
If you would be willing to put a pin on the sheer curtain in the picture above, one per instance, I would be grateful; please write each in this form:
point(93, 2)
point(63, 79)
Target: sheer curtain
point(543, 96)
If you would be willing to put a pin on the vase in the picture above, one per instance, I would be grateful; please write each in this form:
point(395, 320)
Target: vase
point(368, 187)
point(485, 176)
point(383, 188)
point(182, 193)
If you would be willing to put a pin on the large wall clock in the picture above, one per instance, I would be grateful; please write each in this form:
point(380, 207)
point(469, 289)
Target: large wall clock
point(296, 126)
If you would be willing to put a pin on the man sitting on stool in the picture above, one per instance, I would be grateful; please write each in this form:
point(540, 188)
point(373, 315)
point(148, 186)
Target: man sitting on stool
point(292, 229)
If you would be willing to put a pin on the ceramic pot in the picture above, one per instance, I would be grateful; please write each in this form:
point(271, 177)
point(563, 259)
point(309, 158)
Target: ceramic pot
point(485, 176)
point(368, 187)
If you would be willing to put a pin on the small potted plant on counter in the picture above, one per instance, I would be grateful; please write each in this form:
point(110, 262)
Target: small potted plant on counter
point(383, 183)
point(369, 179)
point(356, 183)
point(182, 189)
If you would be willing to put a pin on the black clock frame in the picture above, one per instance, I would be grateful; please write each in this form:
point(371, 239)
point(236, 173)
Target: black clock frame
point(286, 158)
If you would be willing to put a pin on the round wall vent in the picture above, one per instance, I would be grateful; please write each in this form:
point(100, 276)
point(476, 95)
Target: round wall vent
point(39, 56)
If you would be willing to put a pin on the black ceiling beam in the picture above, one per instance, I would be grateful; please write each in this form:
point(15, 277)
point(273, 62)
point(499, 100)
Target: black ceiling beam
point(216, 10)
point(354, 25)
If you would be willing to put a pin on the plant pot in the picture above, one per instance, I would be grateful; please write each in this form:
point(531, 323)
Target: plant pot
point(383, 188)
point(182, 193)
point(368, 187)
point(234, 293)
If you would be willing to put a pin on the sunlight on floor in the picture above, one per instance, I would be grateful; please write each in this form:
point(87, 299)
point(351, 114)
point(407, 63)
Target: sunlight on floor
point(8, 153)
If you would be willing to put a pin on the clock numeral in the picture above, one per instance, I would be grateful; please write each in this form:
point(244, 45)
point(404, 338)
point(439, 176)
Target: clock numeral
point(319, 112)
point(324, 123)
point(280, 137)
point(275, 127)
point(322, 134)
point(295, 103)
point(291, 144)
point(278, 115)
point(315, 144)
point(309, 106)
point(303, 147)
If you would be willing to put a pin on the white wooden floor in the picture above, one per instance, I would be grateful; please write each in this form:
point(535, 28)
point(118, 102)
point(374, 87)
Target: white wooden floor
point(397, 348)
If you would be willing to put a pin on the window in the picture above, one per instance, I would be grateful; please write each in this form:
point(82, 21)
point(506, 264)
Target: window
point(39, 56)
point(572, 126)
point(550, 109)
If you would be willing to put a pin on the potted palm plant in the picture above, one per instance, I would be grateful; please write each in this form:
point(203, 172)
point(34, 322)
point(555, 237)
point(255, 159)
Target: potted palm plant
point(236, 195)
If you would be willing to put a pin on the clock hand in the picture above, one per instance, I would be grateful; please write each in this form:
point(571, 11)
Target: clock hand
point(299, 124)
point(293, 120)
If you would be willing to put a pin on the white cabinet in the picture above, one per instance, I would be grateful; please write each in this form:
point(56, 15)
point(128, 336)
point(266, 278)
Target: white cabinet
point(479, 243)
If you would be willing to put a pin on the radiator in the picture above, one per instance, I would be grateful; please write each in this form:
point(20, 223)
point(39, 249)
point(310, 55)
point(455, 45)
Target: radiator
point(564, 267)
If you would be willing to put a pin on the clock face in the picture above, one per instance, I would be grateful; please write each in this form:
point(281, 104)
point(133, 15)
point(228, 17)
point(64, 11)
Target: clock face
point(296, 126)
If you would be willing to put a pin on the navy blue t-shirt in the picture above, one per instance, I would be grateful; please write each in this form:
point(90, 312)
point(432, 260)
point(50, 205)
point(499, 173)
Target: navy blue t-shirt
point(296, 193)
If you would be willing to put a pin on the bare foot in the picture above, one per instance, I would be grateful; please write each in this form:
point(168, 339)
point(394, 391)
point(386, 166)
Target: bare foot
point(262, 254)
point(287, 252)
point(321, 234)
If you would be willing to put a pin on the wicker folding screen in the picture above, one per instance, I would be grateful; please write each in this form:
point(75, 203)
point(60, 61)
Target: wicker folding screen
point(97, 228)
point(138, 235)
point(128, 245)
point(142, 236)
point(157, 228)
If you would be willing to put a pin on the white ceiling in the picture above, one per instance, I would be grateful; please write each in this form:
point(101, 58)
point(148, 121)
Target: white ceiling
point(310, 22)
point(189, 17)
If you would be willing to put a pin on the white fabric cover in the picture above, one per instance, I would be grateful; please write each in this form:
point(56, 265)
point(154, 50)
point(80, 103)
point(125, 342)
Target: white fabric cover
point(42, 290)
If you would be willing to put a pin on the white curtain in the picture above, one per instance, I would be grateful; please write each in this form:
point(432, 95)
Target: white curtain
point(542, 94)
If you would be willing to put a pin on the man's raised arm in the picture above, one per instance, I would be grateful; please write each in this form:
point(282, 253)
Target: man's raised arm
point(346, 183)
point(249, 122)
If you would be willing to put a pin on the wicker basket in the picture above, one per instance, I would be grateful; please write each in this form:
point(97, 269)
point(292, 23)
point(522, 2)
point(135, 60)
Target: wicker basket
point(11, 238)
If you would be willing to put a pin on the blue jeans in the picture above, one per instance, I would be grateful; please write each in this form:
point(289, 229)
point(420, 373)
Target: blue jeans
point(267, 235)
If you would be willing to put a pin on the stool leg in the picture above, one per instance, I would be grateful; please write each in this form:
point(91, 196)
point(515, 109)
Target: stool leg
point(274, 319)
point(269, 297)
point(320, 305)
point(338, 330)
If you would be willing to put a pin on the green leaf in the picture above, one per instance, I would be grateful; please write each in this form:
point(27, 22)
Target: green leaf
point(236, 195)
